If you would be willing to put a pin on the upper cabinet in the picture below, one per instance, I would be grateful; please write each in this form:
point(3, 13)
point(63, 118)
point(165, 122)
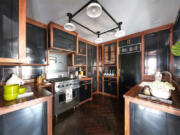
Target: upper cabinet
point(82, 47)
point(12, 31)
point(91, 55)
point(157, 52)
point(62, 40)
point(36, 42)
point(110, 51)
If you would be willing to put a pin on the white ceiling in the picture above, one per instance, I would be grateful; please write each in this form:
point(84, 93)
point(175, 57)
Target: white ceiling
point(136, 15)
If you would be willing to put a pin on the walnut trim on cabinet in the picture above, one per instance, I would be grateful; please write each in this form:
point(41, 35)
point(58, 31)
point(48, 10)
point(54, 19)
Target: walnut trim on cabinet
point(21, 36)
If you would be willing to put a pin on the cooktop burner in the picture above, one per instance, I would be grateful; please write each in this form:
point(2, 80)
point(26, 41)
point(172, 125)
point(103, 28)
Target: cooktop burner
point(58, 79)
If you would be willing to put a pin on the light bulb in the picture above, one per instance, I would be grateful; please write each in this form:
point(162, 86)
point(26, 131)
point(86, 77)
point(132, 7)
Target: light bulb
point(69, 27)
point(98, 40)
point(119, 33)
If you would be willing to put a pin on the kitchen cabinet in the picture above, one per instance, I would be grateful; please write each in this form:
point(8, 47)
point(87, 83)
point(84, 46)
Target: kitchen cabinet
point(25, 121)
point(176, 37)
point(92, 73)
point(12, 31)
point(81, 48)
point(36, 43)
point(110, 51)
point(62, 40)
point(91, 55)
point(151, 119)
point(76, 60)
point(110, 86)
point(85, 90)
point(129, 56)
point(157, 52)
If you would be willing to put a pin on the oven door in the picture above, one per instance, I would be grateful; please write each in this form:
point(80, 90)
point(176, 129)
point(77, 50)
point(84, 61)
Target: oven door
point(60, 104)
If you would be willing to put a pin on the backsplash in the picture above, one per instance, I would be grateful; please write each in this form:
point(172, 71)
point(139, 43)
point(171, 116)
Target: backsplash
point(6, 71)
point(32, 72)
point(57, 65)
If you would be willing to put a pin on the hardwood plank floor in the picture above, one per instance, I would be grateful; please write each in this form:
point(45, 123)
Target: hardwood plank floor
point(102, 116)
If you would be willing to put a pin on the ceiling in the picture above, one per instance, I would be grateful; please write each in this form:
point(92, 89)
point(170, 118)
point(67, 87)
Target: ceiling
point(136, 15)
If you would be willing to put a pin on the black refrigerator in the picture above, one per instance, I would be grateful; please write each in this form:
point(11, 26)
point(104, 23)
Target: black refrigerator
point(130, 71)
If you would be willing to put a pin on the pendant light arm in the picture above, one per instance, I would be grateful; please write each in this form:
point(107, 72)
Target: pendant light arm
point(81, 8)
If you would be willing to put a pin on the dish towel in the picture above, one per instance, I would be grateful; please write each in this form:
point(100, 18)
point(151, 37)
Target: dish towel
point(68, 95)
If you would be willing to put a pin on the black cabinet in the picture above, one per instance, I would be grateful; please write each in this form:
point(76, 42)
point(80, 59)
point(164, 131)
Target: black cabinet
point(76, 60)
point(85, 90)
point(91, 55)
point(12, 29)
point(176, 37)
point(79, 60)
point(148, 121)
point(110, 51)
point(28, 121)
point(100, 55)
point(92, 73)
point(110, 86)
point(81, 47)
point(36, 44)
point(157, 52)
point(61, 39)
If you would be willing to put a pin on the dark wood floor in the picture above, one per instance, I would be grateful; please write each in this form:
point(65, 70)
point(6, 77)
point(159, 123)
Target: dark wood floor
point(102, 116)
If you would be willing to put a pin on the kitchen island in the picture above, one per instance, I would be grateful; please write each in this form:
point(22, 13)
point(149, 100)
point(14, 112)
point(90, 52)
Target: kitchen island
point(145, 117)
point(29, 115)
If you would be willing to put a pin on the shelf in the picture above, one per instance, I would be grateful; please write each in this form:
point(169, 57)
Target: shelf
point(114, 77)
point(78, 66)
point(110, 65)
point(80, 54)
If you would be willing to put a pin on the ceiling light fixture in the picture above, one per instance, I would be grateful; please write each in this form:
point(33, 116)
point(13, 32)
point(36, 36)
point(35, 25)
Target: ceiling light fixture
point(94, 10)
point(119, 32)
point(69, 26)
point(99, 39)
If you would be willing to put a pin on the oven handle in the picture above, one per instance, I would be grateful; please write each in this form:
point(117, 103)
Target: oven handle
point(76, 87)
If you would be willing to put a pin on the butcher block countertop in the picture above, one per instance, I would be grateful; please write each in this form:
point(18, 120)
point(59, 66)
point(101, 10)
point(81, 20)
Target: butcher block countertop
point(174, 108)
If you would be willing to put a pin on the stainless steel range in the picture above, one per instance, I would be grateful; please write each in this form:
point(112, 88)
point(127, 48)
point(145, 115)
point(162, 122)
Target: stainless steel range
point(66, 94)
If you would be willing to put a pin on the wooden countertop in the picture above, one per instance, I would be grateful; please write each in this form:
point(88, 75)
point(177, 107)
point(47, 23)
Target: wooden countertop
point(132, 96)
point(40, 95)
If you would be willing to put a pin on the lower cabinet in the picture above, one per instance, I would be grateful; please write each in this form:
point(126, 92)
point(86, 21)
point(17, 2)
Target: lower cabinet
point(148, 121)
point(110, 86)
point(85, 90)
point(27, 121)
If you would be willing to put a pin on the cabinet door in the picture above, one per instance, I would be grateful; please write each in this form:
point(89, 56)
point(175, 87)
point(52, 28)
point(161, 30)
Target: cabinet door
point(79, 60)
point(82, 48)
point(63, 40)
point(110, 86)
point(36, 44)
point(176, 37)
point(92, 55)
point(157, 52)
point(85, 90)
point(110, 54)
point(92, 73)
point(12, 31)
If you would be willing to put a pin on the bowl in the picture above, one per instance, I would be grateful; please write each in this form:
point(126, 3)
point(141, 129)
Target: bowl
point(22, 90)
point(10, 97)
point(11, 89)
